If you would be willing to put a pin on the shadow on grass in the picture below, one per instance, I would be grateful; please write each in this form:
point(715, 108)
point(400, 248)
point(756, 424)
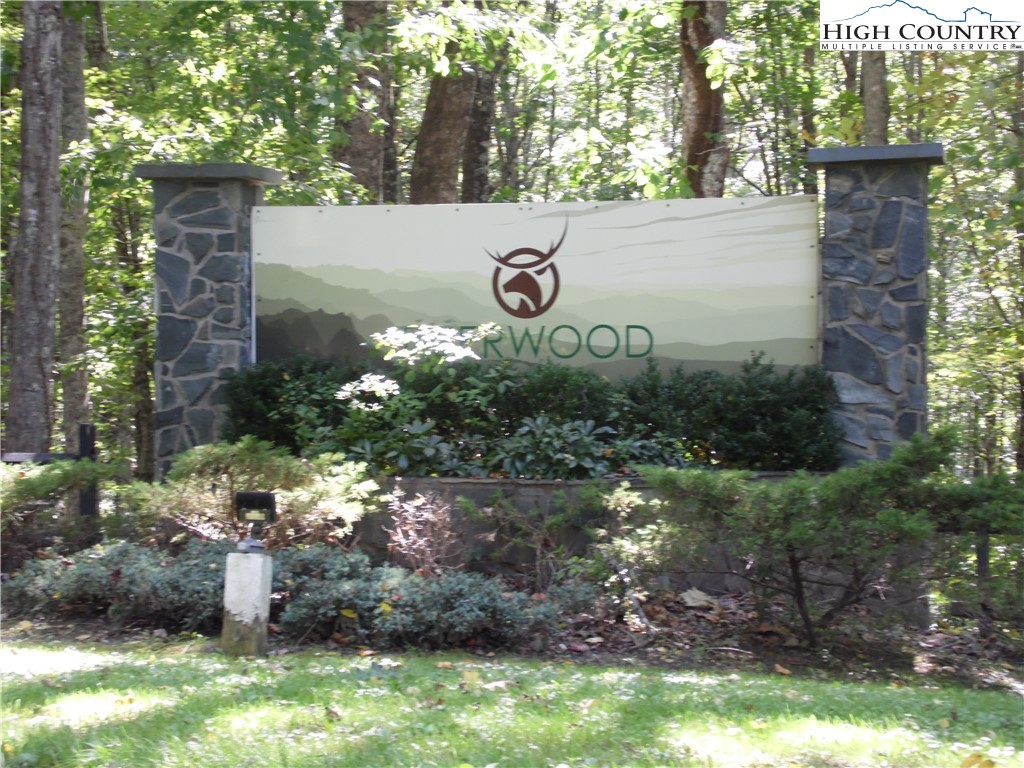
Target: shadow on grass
point(160, 707)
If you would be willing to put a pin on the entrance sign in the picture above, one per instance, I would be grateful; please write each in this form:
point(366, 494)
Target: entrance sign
point(604, 285)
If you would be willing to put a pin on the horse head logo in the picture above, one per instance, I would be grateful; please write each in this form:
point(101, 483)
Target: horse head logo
point(534, 276)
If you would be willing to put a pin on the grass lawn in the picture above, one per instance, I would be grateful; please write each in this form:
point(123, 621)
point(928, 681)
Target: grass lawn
point(145, 703)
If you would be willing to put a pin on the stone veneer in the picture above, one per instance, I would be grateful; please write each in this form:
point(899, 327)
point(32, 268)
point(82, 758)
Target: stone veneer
point(204, 297)
point(874, 314)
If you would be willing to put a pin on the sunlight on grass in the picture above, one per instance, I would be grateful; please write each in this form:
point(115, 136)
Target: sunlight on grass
point(761, 740)
point(89, 709)
point(28, 662)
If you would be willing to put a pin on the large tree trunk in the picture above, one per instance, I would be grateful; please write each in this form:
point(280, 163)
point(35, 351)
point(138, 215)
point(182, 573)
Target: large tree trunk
point(34, 264)
point(705, 155)
point(442, 135)
point(875, 97)
point(363, 150)
point(71, 298)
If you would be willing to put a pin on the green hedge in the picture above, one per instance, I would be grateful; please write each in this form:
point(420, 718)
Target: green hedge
point(473, 419)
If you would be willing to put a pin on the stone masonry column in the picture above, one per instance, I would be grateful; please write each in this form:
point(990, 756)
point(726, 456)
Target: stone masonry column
point(874, 267)
point(204, 298)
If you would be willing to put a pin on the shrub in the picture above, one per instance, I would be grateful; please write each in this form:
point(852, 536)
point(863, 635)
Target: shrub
point(844, 534)
point(453, 609)
point(542, 390)
point(289, 403)
point(317, 500)
point(541, 448)
point(318, 592)
point(322, 591)
point(423, 536)
point(535, 538)
point(127, 583)
point(758, 419)
point(433, 409)
point(34, 513)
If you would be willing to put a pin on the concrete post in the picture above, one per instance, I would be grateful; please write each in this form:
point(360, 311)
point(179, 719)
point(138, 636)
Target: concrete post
point(247, 581)
point(204, 297)
point(874, 268)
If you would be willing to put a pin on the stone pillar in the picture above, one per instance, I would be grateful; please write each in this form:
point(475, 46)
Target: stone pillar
point(204, 293)
point(874, 266)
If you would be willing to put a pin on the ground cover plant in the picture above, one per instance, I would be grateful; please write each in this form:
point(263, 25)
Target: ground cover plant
point(178, 702)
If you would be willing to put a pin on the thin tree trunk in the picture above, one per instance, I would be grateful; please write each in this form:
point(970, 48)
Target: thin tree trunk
point(800, 597)
point(476, 183)
point(1018, 179)
point(71, 306)
point(875, 96)
point(807, 113)
point(34, 266)
point(705, 156)
point(96, 43)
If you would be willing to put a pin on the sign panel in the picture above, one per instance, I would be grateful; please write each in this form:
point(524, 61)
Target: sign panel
point(605, 285)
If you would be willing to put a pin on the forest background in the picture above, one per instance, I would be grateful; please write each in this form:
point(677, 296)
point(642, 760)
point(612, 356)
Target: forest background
point(442, 101)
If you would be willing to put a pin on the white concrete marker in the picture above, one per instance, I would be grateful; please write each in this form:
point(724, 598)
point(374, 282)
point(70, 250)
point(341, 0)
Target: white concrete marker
point(246, 604)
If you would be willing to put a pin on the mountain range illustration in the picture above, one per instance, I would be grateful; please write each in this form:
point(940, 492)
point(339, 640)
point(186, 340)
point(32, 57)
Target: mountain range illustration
point(903, 5)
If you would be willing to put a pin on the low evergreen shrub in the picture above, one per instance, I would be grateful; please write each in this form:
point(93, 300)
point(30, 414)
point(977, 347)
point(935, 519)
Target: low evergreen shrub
point(319, 592)
point(126, 583)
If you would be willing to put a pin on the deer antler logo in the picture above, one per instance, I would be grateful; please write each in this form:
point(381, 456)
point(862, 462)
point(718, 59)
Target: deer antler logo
point(534, 275)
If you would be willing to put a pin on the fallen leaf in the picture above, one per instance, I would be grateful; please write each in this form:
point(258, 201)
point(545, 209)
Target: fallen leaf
point(348, 613)
point(367, 652)
point(694, 598)
point(782, 670)
point(333, 712)
point(594, 640)
point(944, 723)
point(444, 665)
point(469, 677)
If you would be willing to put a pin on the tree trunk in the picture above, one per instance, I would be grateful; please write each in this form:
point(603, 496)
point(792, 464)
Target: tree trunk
point(127, 222)
point(34, 263)
point(1018, 181)
point(442, 135)
point(875, 97)
point(363, 149)
point(71, 290)
point(705, 155)
point(476, 184)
